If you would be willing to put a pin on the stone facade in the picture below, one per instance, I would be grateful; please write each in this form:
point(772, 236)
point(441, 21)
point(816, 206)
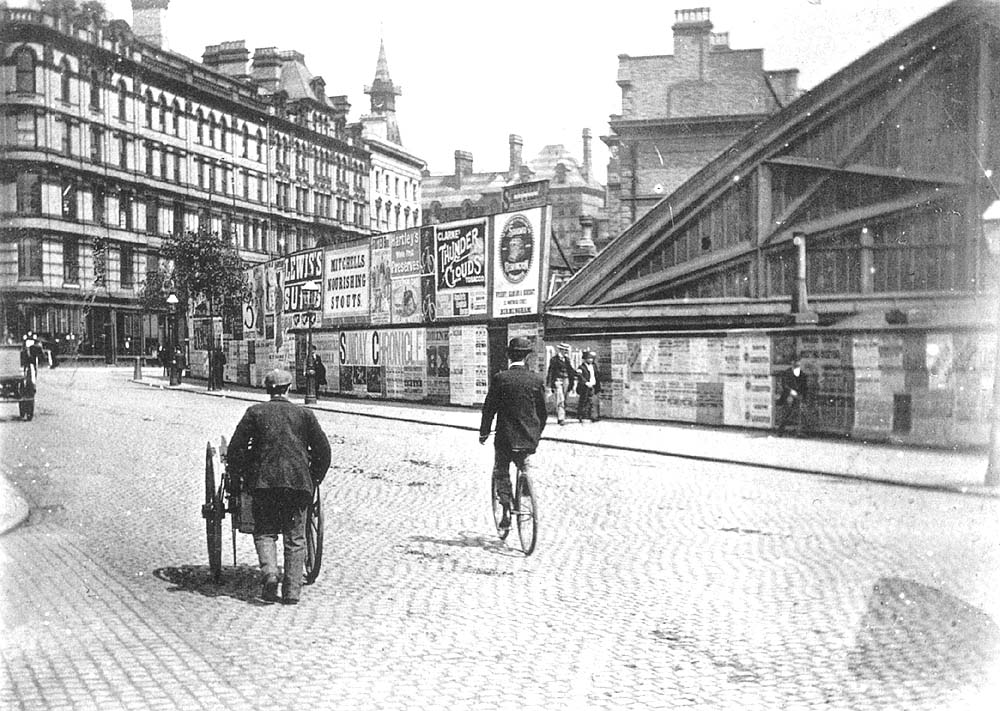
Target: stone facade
point(681, 110)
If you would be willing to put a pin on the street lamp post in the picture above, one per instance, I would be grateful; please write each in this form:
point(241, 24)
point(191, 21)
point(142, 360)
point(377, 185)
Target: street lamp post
point(312, 289)
point(175, 373)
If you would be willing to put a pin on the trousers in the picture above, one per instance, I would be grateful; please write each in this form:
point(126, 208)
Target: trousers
point(561, 388)
point(281, 511)
point(501, 470)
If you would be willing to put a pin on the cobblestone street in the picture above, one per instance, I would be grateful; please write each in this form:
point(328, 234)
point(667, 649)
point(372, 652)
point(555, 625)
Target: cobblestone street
point(657, 582)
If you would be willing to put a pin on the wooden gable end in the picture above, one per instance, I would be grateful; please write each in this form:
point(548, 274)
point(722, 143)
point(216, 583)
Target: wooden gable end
point(880, 168)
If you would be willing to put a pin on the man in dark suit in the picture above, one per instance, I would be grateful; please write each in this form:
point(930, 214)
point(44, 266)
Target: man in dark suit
point(283, 454)
point(517, 399)
point(794, 387)
point(588, 385)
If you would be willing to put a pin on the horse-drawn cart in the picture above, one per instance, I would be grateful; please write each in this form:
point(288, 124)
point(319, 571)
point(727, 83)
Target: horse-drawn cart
point(226, 492)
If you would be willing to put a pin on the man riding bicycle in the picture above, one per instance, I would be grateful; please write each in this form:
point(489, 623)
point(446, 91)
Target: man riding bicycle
point(517, 398)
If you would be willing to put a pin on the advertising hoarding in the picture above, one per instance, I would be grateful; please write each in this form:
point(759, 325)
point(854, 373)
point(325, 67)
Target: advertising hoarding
point(345, 283)
point(460, 261)
point(517, 263)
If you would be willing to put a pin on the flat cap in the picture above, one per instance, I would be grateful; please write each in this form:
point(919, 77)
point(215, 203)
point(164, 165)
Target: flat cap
point(519, 344)
point(277, 379)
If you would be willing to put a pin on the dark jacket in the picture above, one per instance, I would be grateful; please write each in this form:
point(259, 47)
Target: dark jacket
point(560, 367)
point(583, 377)
point(278, 444)
point(790, 381)
point(517, 398)
point(317, 364)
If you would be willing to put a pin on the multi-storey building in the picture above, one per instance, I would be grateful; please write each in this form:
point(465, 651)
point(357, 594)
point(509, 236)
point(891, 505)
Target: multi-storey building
point(394, 195)
point(579, 225)
point(111, 143)
point(680, 111)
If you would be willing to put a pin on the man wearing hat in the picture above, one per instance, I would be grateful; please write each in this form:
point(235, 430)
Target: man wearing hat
point(517, 399)
point(560, 379)
point(283, 454)
point(588, 385)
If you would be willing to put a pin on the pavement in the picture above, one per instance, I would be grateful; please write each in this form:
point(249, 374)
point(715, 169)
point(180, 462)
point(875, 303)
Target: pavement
point(960, 471)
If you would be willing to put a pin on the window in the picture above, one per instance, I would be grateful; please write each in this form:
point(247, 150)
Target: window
point(178, 176)
point(127, 254)
point(29, 257)
point(67, 138)
point(123, 152)
point(71, 259)
point(65, 74)
point(100, 205)
point(163, 164)
point(125, 210)
point(150, 158)
point(178, 218)
point(246, 141)
point(223, 131)
point(176, 115)
point(24, 71)
point(163, 114)
point(27, 135)
point(260, 147)
point(69, 200)
point(122, 101)
point(199, 135)
point(152, 216)
point(95, 89)
point(29, 194)
point(213, 128)
point(149, 109)
point(96, 143)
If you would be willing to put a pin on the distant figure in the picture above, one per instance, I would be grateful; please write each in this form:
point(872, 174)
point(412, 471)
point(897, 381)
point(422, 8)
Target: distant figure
point(218, 364)
point(284, 454)
point(794, 388)
point(560, 379)
point(316, 363)
point(516, 398)
point(587, 386)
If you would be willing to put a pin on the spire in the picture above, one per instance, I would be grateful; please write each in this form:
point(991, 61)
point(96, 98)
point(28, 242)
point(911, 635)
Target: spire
point(383, 95)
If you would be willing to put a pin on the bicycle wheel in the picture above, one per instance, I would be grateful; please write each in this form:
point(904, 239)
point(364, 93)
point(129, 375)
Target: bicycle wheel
point(497, 509)
point(526, 513)
point(212, 512)
point(314, 539)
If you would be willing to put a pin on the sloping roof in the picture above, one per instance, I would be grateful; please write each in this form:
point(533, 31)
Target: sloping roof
point(766, 141)
point(295, 76)
point(544, 168)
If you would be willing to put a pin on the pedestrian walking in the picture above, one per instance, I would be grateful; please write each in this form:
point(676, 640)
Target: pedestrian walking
point(561, 377)
point(283, 453)
point(516, 397)
point(791, 400)
point(588, 384)
point(316, 363)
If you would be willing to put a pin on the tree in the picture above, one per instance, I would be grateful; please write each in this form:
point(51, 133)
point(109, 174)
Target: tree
point(197, 267)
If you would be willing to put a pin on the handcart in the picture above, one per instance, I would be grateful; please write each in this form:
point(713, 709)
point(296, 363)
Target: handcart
point(17, 381)
point(225, 492)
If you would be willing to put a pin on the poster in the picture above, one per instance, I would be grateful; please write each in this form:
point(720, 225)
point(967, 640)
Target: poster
point(438, 373)
point(380, 280)
point(517, 263)
point(460, 262)
point(405, 359)
point(345, 283)
point(360, 363)
point(407, 267)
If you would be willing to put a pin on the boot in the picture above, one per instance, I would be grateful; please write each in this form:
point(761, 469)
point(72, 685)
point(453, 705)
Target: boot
point(291, 586)
point(267, 554)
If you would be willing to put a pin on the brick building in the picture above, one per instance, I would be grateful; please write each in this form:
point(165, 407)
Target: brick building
point(679, 111)
point(110, 142)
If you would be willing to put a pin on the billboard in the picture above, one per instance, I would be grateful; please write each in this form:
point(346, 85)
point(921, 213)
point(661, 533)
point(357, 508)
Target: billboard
point(304, 269)
point(360, 362)
point(407, 267)
point(460, 261)
point(380, 280)
point(517, 263)
point(345, 284)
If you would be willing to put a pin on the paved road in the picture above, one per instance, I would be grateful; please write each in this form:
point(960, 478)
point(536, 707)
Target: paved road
point(657, 583)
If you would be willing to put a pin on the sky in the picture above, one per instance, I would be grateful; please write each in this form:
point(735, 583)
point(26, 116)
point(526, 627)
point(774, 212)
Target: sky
point(542, 69)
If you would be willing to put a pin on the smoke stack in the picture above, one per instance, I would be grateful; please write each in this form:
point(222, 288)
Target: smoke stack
point(586, 154)
point(149, 21)
point(463, 165)
point(515, 154)
point(229, 58)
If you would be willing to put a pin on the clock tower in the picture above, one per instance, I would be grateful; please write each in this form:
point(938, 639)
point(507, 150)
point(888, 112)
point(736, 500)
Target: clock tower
point(383, 95)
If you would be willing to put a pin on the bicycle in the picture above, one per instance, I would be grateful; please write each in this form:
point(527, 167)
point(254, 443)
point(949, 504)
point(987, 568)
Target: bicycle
point(524, 511)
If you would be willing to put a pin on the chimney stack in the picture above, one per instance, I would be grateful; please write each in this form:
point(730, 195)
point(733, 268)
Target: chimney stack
point(586, 154)
point(266, 69)
point(585, 250)
point(515, 154)
point(149, 21)
point(229, 58)
point(463, 165)
point(692, 40)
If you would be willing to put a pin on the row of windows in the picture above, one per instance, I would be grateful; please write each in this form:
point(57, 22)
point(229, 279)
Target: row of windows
point(392, 185)
point(211, 131)
point(30, 261)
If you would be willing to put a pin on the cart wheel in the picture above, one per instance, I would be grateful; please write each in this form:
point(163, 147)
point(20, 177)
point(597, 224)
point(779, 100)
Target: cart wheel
point(314, 539)
point(212, 512)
